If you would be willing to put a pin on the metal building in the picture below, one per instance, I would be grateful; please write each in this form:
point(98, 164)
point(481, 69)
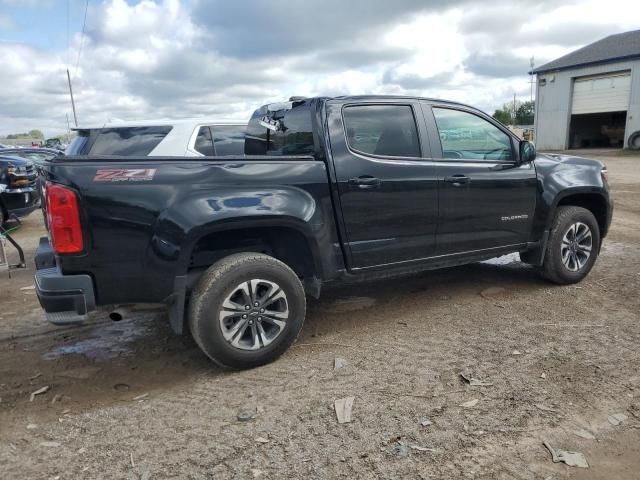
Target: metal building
point(590, 98)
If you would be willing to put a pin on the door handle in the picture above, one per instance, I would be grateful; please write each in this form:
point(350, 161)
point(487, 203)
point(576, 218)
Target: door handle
point(458, 180)
point(365, 181)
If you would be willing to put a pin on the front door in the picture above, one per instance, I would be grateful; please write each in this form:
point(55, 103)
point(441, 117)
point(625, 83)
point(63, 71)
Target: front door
point(386, 182)
point(486, 197)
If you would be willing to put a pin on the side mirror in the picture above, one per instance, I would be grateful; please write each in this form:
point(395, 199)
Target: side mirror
point(527, 151)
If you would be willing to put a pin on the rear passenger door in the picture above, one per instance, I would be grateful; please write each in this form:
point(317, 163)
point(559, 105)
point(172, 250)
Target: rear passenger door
point(386, 182)
point(486, 197)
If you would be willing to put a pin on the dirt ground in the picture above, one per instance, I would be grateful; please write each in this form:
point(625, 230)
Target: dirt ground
point(131, 400)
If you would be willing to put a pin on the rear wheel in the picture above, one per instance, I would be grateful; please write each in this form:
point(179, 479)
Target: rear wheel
point(246, 310)
point(573, 245)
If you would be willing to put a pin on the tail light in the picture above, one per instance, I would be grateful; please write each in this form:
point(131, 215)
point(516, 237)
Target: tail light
point(63, 217)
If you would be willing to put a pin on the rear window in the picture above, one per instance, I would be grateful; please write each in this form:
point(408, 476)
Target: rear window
point(125, 141)
point(229, 139)
point(385, 130)
point(282, 129)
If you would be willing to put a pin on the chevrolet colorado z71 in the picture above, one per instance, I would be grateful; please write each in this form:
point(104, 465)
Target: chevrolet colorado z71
point(329, 190)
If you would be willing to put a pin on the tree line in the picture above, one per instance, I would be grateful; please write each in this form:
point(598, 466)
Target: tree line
point(523, 114)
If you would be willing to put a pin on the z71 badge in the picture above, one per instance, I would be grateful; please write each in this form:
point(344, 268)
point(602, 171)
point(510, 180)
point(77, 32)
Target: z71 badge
point(124, 175)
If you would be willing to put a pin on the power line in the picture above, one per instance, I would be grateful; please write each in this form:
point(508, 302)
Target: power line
point(84, 24)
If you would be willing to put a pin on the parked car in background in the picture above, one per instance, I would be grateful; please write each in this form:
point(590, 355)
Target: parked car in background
point(168, 138)
point(330, 190)
point(37, 155)
point(54, 143)
point(19, 193)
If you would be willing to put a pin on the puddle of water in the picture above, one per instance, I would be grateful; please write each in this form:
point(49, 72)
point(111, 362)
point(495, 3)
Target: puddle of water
point(105, 342)
point(504, 260)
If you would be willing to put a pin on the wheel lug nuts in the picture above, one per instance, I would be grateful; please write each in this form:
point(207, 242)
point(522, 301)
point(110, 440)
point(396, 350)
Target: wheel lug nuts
point(247, 307)
point(256, 304)
point(244, 316)
point(259, 319)
point(262, 310)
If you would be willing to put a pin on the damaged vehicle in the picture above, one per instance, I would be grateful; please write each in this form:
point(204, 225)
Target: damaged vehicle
point(330, 190)
point(19, 193)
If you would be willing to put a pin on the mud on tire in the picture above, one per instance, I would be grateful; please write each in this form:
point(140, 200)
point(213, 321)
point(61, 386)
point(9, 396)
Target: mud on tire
point(246, 310)
point(573, 246)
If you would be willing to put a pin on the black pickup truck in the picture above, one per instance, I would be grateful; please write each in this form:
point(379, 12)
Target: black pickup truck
point(329, 190)
point(19, 193)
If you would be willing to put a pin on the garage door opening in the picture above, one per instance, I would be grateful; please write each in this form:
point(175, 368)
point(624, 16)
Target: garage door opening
point(597, 130)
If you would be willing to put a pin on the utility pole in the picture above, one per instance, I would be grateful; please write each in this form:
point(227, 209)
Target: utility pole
point(532, 63)
point(73, 104)
point(514, 109)
point(68, 129)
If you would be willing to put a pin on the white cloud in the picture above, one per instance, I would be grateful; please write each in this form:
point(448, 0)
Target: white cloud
point(158, 59)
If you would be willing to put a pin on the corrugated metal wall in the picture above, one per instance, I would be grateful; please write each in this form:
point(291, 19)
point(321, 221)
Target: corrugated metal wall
point(553, 102)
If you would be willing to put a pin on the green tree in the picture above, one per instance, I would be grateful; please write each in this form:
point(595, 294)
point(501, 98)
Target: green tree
point(524, 113)
point(36, 134)
point(504, 115)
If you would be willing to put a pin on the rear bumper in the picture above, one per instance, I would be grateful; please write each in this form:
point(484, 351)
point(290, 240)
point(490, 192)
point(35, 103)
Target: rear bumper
point(65, 298)
point(21, 201)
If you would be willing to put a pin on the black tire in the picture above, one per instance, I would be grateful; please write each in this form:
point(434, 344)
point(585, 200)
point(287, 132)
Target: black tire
point(225, 278)
point(554, 268)
point(4, 215)
point(634, 141)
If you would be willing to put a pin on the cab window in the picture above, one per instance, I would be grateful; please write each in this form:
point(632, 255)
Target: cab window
point(468, 136)
point(385, 130)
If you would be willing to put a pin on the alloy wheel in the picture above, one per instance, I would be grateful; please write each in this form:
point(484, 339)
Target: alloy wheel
point(254, 314)
point(576, 247)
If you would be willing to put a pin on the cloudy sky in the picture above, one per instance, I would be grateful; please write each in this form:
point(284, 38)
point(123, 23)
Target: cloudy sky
point(222, 58)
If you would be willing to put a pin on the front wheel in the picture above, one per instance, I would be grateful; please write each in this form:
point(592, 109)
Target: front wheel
point(246, 310)
point(573, 245)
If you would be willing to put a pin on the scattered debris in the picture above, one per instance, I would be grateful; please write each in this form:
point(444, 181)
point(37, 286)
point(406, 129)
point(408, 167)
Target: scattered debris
point(133, 464)
point(140, 397)
point(400, 451)
point(516, 352)
point(30, 287)
point(339, 363)
point(121, 387)
point(543, 375)
point(491, 291)
point(57, 397)
point(244, 416)
point(32, 426)
point(425, 422)
point(256, 473)
point(421, 449)
point(474, 382)
point(40, 391)
point(260, 409)
point(470, 403)
point(617, 419)
point(584, 434)
point(343, 408)
point(544, 408)
point(262, 440)
point(50, 444)
point(37, 375)
point(573, 459)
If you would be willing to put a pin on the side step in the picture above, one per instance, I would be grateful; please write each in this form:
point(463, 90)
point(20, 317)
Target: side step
point(66, 318)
